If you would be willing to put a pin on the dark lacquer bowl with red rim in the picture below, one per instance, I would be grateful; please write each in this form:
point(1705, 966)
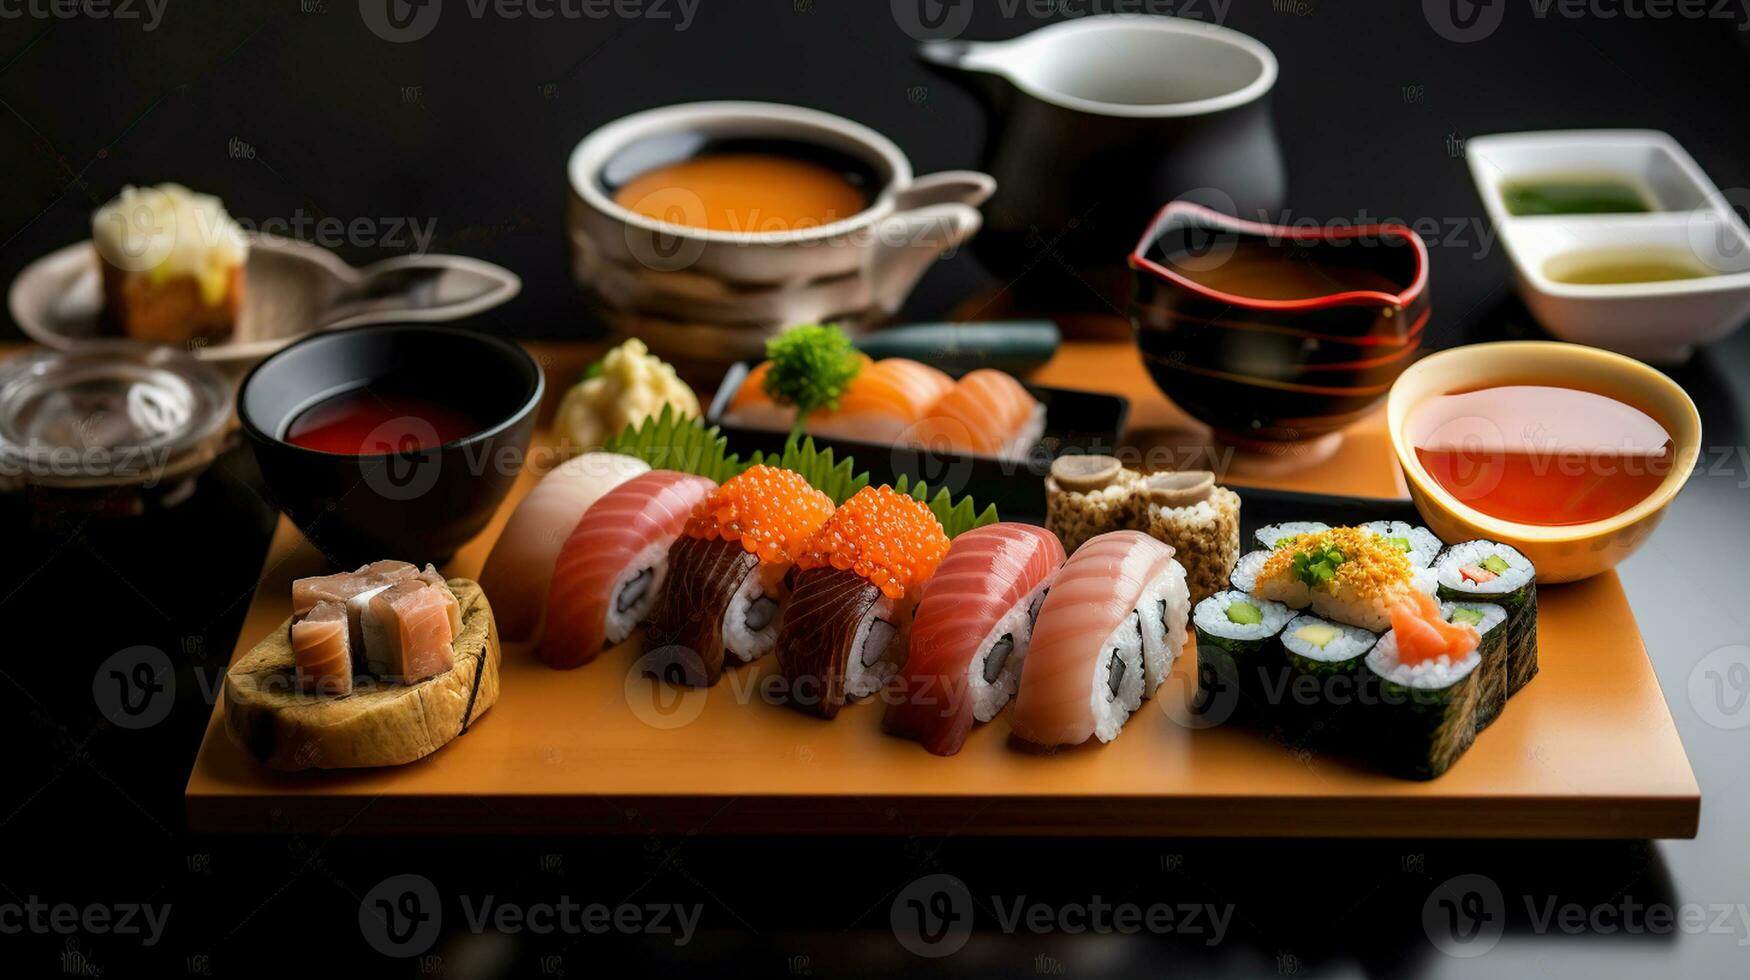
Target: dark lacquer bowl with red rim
point(394, 441)
point(1272, 335)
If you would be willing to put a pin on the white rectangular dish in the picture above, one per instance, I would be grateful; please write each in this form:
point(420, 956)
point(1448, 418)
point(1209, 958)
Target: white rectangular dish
point(1661, 321)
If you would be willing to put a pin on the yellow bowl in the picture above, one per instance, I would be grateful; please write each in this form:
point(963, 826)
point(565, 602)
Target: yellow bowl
point(1561, 554)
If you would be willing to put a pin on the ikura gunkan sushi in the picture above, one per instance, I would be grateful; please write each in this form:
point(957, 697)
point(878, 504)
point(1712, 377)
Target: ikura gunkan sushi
point(730, 573)
point(845, 630)
point(1107, 635)
point(612, 567)
point(970, 636)
point(1483, 571)
point(1427, 671)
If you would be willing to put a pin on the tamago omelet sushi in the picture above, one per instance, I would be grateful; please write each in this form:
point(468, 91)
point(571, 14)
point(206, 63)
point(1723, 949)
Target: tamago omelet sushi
point(612, 567)
point(846, 627)
point(1107, 636)
point(970, 636)
point(730, 572)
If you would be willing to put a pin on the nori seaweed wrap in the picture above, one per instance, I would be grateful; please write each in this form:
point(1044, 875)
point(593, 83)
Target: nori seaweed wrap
point(1508, 580)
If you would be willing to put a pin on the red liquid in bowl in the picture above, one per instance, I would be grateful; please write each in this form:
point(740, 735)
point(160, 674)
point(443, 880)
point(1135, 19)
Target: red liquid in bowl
point(1533, 454)
point(365, 422)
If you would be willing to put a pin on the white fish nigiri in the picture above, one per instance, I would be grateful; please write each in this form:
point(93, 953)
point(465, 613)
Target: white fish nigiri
point(1106, 637)
point(519, 570)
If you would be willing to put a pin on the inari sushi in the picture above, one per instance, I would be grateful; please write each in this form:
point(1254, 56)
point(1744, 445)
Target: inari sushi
point(988, 413)
point(1106, 638)
point(1427, 674)
point(729, 572)
point(611, 568)
point(519, 570)
point(846, 627)
point(971, 631)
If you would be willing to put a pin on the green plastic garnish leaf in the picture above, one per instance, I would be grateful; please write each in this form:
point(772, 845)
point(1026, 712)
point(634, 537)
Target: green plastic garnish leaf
point(669, 442)
point(594, 370)
point(823, 472)
point(957, 516)
point(1318, 566)
point(811, 366)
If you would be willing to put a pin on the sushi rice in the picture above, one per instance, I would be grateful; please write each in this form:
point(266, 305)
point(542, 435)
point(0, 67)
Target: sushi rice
point(1340, 653)
point(1119, 678)
point(1245, 575)
point(635, 590)
point(1514, 589)
point(1162, 611)
point(1421, 544)
point(1271, 535)
point(993, 674)
point(1216, 629)
point(879, 648)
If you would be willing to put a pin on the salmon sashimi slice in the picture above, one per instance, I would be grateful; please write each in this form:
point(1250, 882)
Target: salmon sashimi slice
point(884, 400)
point(988, 413)
point(341, 586)
point(1106, 638)
point(971, 632)
point(519, 571)
point(1423, 634)
point(407, 632)
point(611, 568)
point(321, 652)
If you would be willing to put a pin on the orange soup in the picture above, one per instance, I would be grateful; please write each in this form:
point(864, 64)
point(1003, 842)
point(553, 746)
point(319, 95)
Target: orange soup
point(1534, 454)
point(744, 193)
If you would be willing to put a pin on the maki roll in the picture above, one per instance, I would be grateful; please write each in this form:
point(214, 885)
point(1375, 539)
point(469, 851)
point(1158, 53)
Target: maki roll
point(1483, 571)
point(1421, 544)
point(1427, 674)
point(1236, 649)
point(973, 627)
point(1106, 638)
point(1348, 574)
point(1489, 620)
point(846, 627)
point(730, 573)
point(1324, 668)
point(612, 566)
point(1245, 576)
point(1270, 536)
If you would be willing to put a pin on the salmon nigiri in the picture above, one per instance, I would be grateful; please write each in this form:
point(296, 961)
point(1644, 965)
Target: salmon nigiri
point(519, 570)
point(1106, 638)
point(987, 412)
point(612, 566)
point(969, 638)
point(884, 400)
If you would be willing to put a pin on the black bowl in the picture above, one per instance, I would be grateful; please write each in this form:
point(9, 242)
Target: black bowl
point(418, 505)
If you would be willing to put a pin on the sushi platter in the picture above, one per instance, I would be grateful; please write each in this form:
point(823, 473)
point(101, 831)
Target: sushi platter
point(598, 726)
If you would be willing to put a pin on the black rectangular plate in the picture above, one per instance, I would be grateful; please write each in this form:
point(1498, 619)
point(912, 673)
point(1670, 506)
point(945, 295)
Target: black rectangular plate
point(1075, 421)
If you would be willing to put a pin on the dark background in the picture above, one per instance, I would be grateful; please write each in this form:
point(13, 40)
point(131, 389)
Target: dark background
point(470, 127)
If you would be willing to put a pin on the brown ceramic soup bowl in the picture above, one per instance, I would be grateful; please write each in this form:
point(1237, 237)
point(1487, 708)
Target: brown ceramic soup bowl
point(1276, 335)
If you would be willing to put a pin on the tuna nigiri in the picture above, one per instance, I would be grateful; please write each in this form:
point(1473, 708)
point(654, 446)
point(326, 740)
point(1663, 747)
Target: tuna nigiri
point(971, 632)
point(845, 628)
point(730, 572)
point(1106, 638)
point(519, 570)
point(987, 412)
point(612, 567)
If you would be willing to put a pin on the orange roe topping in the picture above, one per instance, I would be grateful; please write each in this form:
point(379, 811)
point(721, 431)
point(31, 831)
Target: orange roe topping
point(1371, 566)
point(771, 511)
point(885, 536)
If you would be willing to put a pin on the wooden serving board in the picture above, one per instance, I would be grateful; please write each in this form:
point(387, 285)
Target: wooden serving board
point(1588, 749)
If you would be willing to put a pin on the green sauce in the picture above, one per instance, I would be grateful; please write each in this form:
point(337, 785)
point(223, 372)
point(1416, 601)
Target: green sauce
point(1576, 194)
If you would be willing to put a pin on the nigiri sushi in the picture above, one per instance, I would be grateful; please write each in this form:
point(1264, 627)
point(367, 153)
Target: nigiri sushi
point(519, 570)
point(971, 631)
point(1107, 636)
point(987, 412)
point(321, 651)
point(729, 573)
point(845, 629)
point(886, 398)
point(611, 568)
